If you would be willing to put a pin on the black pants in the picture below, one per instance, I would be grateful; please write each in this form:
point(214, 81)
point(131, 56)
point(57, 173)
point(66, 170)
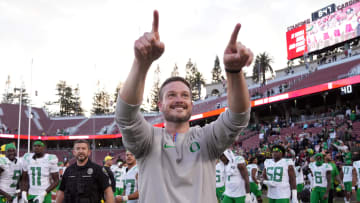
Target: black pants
point(331, 196)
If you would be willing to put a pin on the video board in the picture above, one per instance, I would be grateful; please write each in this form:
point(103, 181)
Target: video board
point(296, 42)
point(334, 28)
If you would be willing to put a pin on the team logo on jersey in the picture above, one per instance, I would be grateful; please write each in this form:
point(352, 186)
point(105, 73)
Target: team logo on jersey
point(168, 146)
point(194, 147)
point(90, 171)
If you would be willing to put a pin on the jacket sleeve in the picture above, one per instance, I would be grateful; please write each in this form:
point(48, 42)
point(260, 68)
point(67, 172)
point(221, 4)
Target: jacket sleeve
point(136, 132)
point(220, 134)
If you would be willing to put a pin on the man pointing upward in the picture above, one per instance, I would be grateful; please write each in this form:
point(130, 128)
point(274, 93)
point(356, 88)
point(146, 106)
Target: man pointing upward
point(180, 160)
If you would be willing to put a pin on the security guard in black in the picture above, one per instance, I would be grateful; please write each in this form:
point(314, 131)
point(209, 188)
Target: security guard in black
point(84, 184)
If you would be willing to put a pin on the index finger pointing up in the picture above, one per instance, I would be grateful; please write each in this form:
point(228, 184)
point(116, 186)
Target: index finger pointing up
point(235, 34)
point(155, 26)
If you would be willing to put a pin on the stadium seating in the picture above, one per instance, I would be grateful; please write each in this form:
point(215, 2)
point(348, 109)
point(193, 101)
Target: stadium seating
point(94, 125)
point(325, 75)
point(63, 123)
point(10, 119)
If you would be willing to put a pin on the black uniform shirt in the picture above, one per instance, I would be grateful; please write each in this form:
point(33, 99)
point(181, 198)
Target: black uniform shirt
point(85, 184)
point(111, 177)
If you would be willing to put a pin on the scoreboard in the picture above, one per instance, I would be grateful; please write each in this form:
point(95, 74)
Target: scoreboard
point(330, 25)
point(323, 12)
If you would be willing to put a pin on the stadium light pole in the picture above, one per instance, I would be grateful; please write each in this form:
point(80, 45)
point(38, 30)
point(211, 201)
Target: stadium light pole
point(93, 127)
point(30, 99)
point(19, 126)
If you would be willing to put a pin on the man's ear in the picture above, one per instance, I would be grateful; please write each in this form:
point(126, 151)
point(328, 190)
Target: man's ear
point(159, 104)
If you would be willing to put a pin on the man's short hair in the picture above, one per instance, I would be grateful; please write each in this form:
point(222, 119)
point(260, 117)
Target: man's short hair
point(82, 141)
point(278, 148)
point(173, 79)
point(38, 142)
point(252, 159)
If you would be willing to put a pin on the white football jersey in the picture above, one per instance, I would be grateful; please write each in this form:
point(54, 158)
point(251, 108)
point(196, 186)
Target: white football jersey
point(131, 182)
point(299, 175)
point(319, 174)
point(119, 176)
point(234, 182)
point(356, 165)
point(39, 171)
point(347, 170)
point(278, 172)
point(310, 178)
point(10, 177)
point(220, 174)
point(250, 167)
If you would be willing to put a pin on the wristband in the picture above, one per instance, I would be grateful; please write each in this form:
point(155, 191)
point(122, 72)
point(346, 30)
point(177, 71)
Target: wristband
point(23, 195)
point(232, 71)
point(125, 198)
point(17, 191)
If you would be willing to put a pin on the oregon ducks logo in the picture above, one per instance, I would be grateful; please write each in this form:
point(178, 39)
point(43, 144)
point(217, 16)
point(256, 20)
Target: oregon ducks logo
point(194, 147)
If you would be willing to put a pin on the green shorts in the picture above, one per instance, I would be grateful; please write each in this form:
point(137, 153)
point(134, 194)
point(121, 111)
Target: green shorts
point(47, 198)
point(348, 186)
point(317, 194)
point(227, 199)
point(279, 200)
point(57, 187)
point(358, 194)
point(119, 191)
point(255, 189)
point(219, 192)
point(300, 187)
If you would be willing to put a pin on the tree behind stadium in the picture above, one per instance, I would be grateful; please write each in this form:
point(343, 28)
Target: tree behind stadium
point(261, 66)
point(101, 103)
point(68, 100)
point(216, 72)
point(155, 90)
point(195, 78)
point(12, 96)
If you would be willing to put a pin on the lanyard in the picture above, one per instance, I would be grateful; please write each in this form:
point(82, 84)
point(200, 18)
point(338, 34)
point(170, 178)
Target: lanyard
point(174, 137)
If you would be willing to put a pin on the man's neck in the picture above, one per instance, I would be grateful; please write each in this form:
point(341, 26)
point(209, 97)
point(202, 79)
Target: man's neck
point(173, 128)
point(276, 160)
point(13, 159)
point(131, 165)
point(82, 163)
point(39, 155)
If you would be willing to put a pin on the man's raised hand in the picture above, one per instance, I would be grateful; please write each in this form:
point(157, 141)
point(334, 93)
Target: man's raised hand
point(148, 47)
point(236, 55)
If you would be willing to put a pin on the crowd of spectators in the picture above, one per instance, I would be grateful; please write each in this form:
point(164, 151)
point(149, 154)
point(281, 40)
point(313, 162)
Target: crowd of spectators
point(335, 137)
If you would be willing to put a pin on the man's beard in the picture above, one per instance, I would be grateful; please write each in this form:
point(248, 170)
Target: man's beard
point(177, 119)
point(80, 159)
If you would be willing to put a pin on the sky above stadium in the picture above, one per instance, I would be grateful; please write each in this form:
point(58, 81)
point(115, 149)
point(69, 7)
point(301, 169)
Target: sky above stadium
point(90, 42)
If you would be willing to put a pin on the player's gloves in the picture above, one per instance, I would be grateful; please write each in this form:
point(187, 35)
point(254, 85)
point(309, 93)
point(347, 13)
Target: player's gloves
point(248, 198)
point(269, 183)
point(259, 186)
point(353, 190)
point(121, 198)
point(294, 198)
point(40, 198)
point(15, 199)
point(24, 196)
